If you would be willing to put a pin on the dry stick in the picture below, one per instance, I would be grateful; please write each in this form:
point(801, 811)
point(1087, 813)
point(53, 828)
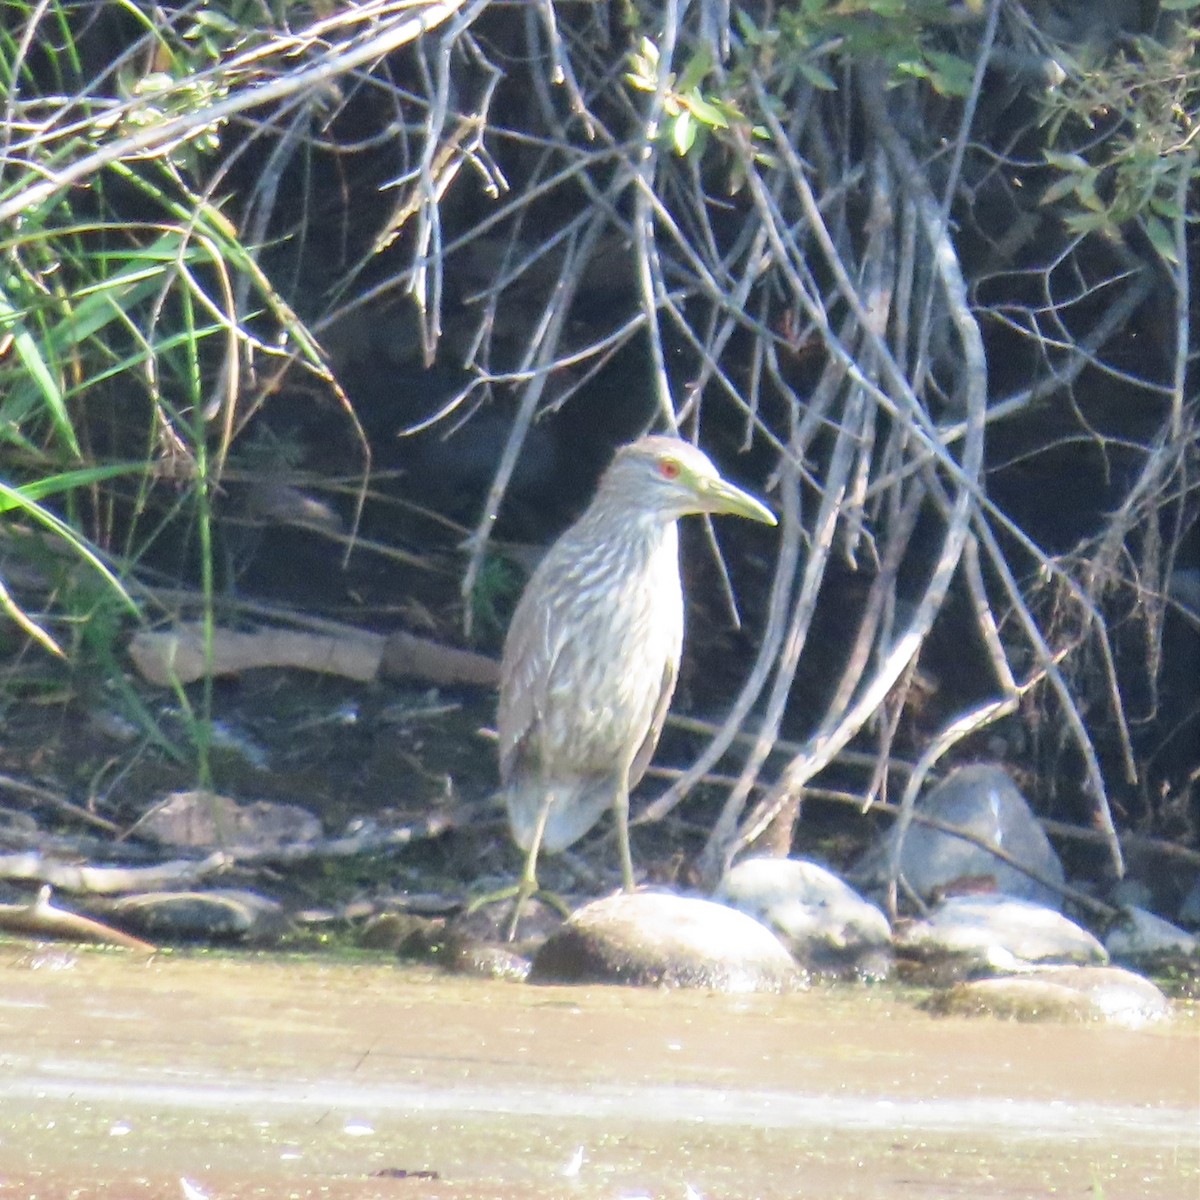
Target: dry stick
point(649, 271)
point(813, 415)
point(1131, 841)
point(717, 372)
point(43, 919)
point(1085, 901)
point(109, 881)
point(793, 531)
point(58, 800)
point(649, 267)
point(726, 287)
point(540, 349)
point(901, 156)
point(882, 593)
point(969, 334)
point(1047, 661)
point(958, 151)
point(781, 745)
point(793, 535)
point(877, 266)
point(562, 73)
point(961, 727)
point(425, 279)
point(150, 139)
point(1181, 281)
point(881, 603)
point(831, 737)
point(777, 606)
point(501, 213)
point(729, 304)
point(901, 403)
point(1098, 908)
point(1115, 318)
point(985, 620)
point(867, 762)
point(186, 652)
point(837, 475)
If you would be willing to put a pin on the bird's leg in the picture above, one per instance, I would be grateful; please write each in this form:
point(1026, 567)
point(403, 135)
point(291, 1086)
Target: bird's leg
point(528, 884)
point(621, 815)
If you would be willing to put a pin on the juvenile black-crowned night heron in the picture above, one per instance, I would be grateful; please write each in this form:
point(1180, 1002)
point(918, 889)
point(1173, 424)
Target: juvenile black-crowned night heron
point(593, 650)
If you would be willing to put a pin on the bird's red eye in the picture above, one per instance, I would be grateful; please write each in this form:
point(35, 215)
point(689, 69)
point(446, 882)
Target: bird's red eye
point(668, 468)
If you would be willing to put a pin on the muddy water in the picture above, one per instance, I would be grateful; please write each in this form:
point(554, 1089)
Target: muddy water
point(187, 1076)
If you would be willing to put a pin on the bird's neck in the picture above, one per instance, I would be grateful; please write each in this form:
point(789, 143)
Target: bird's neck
point(646, 543)
point(644, 537)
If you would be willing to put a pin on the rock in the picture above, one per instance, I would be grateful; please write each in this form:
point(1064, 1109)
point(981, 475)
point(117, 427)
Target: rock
point(985, 802)
point(1189, 910)
point(447, 946)
point(1131, 893)
point(1139, 938)
point(409, 935)
point(1058, 993)
point(967, 936)
point(484, 961)
point(828, 927)
point(488, 922)
point(201, 819)
point(226, 914)
point(656, 939)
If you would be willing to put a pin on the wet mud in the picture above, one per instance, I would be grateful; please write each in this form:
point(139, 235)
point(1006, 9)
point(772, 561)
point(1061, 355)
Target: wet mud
point(199, 1075)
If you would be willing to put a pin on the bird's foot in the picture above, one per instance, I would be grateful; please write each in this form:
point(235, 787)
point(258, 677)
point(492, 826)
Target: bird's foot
point(520, 894)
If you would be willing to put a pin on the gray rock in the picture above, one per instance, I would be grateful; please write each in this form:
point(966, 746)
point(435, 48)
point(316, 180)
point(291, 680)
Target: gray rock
point(201, 819)
point(223, 914)
point(1131, 893)
point(967, 936)
point(1059, 993)
point(1189, 910)
point(656, 939)
point(486, 962)
point(828, 927)
point(1140, 938)
point(985, 802)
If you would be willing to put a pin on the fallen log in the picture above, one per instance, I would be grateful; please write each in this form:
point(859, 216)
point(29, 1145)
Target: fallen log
point(178, 655)
point(42, 919)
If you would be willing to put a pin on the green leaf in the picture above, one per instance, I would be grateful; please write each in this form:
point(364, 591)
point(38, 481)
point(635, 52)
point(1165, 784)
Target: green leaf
point(1065, 185)
point(746, 26)
point(1161, 239)
point(683, 132)
point(818, 78)
point(950, 75)
point(11, 497)
point(213, 20)
point(39, 371)
point(1165, 206)
point(707, 112)
point(1075, 163)
point(695, 72)
point(1082, 222)
point(65, 481)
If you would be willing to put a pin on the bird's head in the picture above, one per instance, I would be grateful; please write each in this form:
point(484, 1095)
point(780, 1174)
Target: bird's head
point(672, 478)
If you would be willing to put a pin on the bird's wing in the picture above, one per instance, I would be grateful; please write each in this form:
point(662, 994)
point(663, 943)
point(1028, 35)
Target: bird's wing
point(530, 657)
point(641, 760)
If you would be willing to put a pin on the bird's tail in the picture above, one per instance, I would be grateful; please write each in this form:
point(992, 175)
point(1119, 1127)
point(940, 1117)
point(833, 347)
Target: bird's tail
point(574, 808)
